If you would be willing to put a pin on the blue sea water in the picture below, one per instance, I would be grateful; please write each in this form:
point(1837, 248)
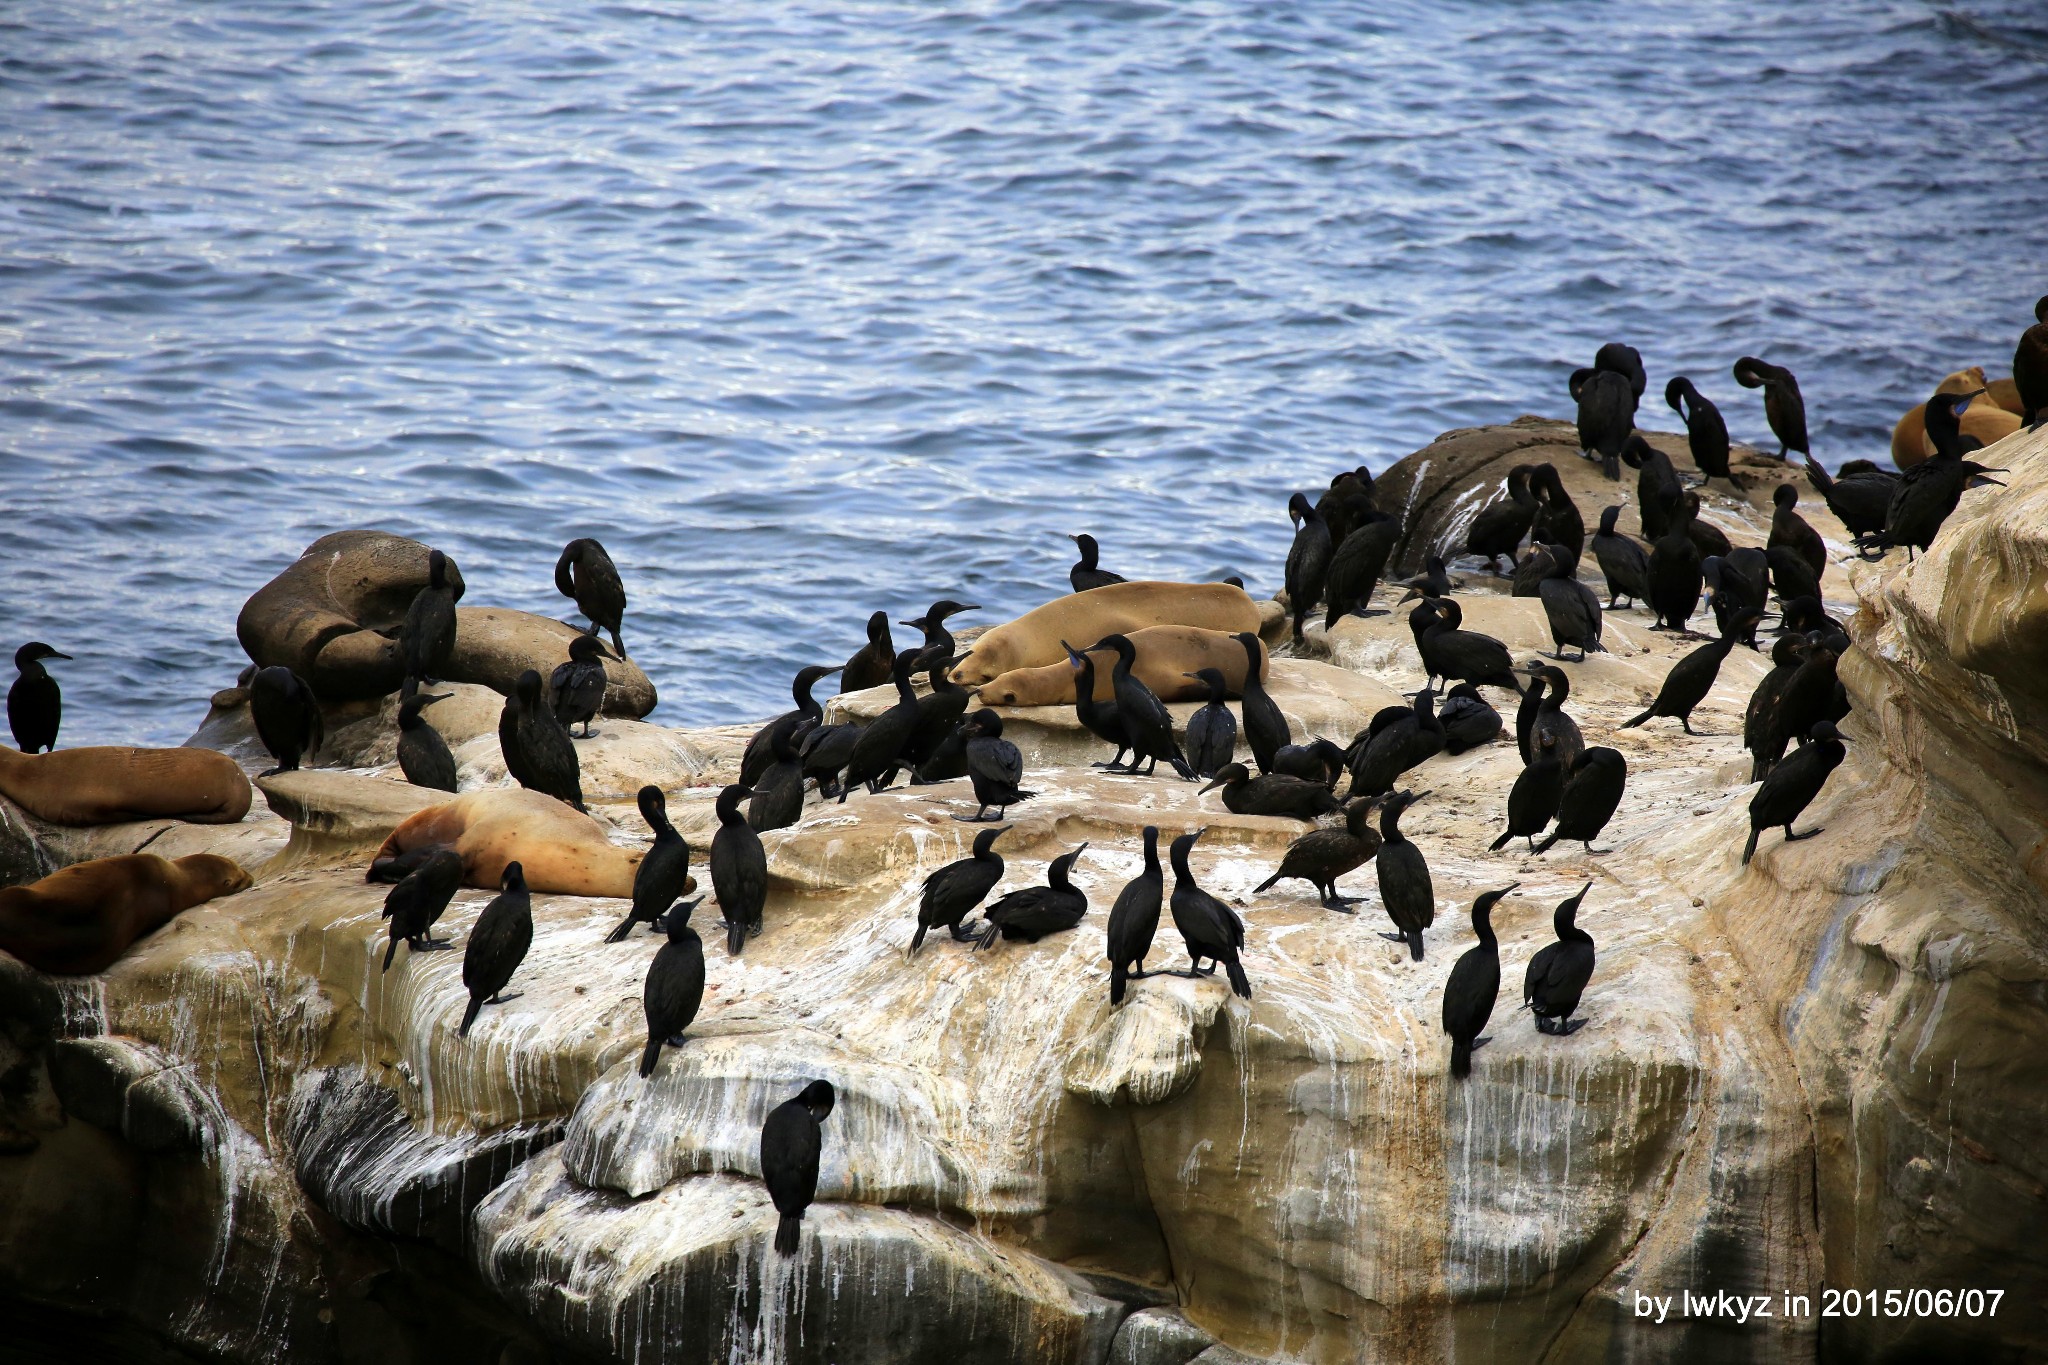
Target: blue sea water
point(806, 309)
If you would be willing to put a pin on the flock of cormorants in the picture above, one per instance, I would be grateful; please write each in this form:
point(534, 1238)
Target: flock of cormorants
point(1338, 558)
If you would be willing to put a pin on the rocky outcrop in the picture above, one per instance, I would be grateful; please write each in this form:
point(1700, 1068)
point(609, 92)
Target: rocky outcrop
point(1819, 1070)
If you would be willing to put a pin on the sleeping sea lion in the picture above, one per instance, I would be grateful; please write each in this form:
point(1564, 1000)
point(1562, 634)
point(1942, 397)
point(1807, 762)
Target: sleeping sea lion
point(563, 851)
point(109, 784)
point(80, 919)
point(1033, 639)
point(1166, 655)
point(1988, 422)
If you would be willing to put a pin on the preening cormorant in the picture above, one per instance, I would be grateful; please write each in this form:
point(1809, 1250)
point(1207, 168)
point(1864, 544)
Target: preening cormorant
point(1784, 409)
point(1706, 433)
point(778, 799)
point(1606, 415)
point(1396, 747)
point(1500, 526)
point(1659, 490)
point(1551, 718)
point(586, 574)
point(418, 901)
point(1572, 608)
point(1790, 529)
point(1356, 566)
point(1469, 720)
point(1674, 575)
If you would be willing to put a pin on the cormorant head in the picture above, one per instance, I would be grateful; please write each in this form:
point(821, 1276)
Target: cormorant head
point(526, 688)
point(945, 607)
point(1211, 678)
point(653, 805)
point(1568, 909)
point(1299, 508)
point(1752, 373)
point(1825, 729)
point(878, 628)
point(985, 722)
point(1228, 775)
point(437, 569)
point(811, 673)
point(1977, 472)
point(1676, 390)
point(1488, 899)
point(33, 651)
point(675, 922)
point(409, 709)
point(513, 878)
point(819, 1097)
point(986, 840)
point(587, 649)
point(1786, 497)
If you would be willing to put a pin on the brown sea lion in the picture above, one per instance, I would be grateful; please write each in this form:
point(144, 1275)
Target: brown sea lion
point(106, 785)
point(80, 919)
point(1033, 639)
point(1989, 421)
point(564, 851)
point(1166, 655)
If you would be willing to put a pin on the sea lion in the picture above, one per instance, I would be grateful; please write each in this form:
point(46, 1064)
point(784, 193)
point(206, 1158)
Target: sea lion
point(2006, 394)
point(1166, 655)
point(564, 851)
point(1989, 422)
point(108, 784)
point(1033, 639)
point(79, 920)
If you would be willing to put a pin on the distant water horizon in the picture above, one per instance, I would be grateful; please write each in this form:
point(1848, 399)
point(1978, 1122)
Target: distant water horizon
point(807, 311)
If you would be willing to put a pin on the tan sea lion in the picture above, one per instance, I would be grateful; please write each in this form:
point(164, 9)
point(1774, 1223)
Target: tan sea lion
point(1166, 655)
point(1033, 639)
point(105, 785)
point(564, 851)
point(80, 919)
point(2006, 394)
point(1989, 419)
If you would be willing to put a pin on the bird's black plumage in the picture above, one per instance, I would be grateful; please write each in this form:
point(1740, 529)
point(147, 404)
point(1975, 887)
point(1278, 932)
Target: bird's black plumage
point(536, 747)
point(1147, 723)
point(674, 986)
point(1405, 886)
point(1790, 786)
point(577, 686)
point(994, 765)
point(419, 900)
point(878, 750)
point(1308, 559)
point(1706, 432)
point(1559, 971)
point(287, 716)
point(778, 799)
point(1212, 730)
point(1571, 608)
point(1606, 415)
point(1356, 566)
point(1031, 913)
point(1659, 490)
point(2030, 368)
point(1265, 728)
point(1097, 717)
point(1087, 572)
point(497, 945)
point(1134, 919)
point(423, 756)
point(1784, 409)
point(35, 703)
point(1271, 794)
point(1623, 562)
point(760, 750)
point(872, 663)
point(938, 711)
point(585, 574)
point(664, 872)
point(1557, 518)
point(1395, 748)
point(1532, 801)
point(1321, 856)
point(1859, 501)
point(1674, 576)
point(1591, 796)
point(1928, 492)
point(1691, 678)
point(1805, 697)
point(739, 871)
point(1500, 526)
point(1210, 929)
point(1473, 985)
point(1469, 720)
point(1451, 652)
point(427, 636)
point(792, 1144)
point(1790, 529)
point(951, 892)
point(1553, 720)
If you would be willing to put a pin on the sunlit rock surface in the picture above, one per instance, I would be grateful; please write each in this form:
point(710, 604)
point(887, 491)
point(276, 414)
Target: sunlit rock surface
point(1824, 1069)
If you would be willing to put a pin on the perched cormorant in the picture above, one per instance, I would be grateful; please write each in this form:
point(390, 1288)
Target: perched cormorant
point(951, 892)
point(537, 749)
point(1659, 490)
point(1738, 585)
point(586, 574)
point(939, 710)
point(1265, 728)
point(1692, 677)
point(739, 871)
point(664, 871)
point(1085, 575)
point(1499, 527)
point(1405, 888)
point(994, 765)
point(1784, 409)
point(1620, 358)
point(825, 750)
point(1098, 718)
point(1448, 651)
point(423, 755)
point(1532, 801)
point(1591, 796)
point(760, 750)
point(1674, 576)
point(674, 987)
point(1134, 919)
point(933, 624)
point(497, 945)
point(1308, 559)
point(1532, 568)
point(1572, 608)
point(2030, 368)
point(1321, 856)
point(287, 717)
point(1550, 718)
point(1395, 748)
point(1706, 434)
point(419, 900)
point(1808, 695)
point(1319, 760)
point(878, 749)
point(1212, 730)
point(1210, 928)
point(1557, 519)
point(1271, 794)
point(871, 664)
point(1030, 913)
point(1469, 720)
point(1792, 784)
point(1623, 562)
point(1786, 656)
point(1558, 974)
point(791, 1141)
point(1805, 615)
point(1146, 721)
point(1356, 566)
point(1859, 501)
point(1473, 986)
point(1790, 529)
point(778, 799)
point(1606, 415)
point(1531, 707)
point(578, 685)
point(1790, 575)
point(1434, 581)
point(35, 704)
point(1928, 492)
point(427, 638)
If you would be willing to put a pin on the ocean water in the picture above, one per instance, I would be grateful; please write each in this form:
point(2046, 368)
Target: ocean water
point(807, 310)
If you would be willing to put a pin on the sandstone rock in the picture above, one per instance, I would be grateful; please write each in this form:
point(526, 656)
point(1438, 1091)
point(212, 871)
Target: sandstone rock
point(340, 817)
point(494, 645)
point(1158, 1336)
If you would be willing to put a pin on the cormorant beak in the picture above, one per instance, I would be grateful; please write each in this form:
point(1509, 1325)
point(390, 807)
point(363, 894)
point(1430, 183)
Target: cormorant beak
point(1071, 536)
point(1976, 481)
point(957, 610)
point(1079, 851)
point(53, 654)
point(1200, 832)
point(1510, 888)
point(1213, 786)
point(917, 621)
